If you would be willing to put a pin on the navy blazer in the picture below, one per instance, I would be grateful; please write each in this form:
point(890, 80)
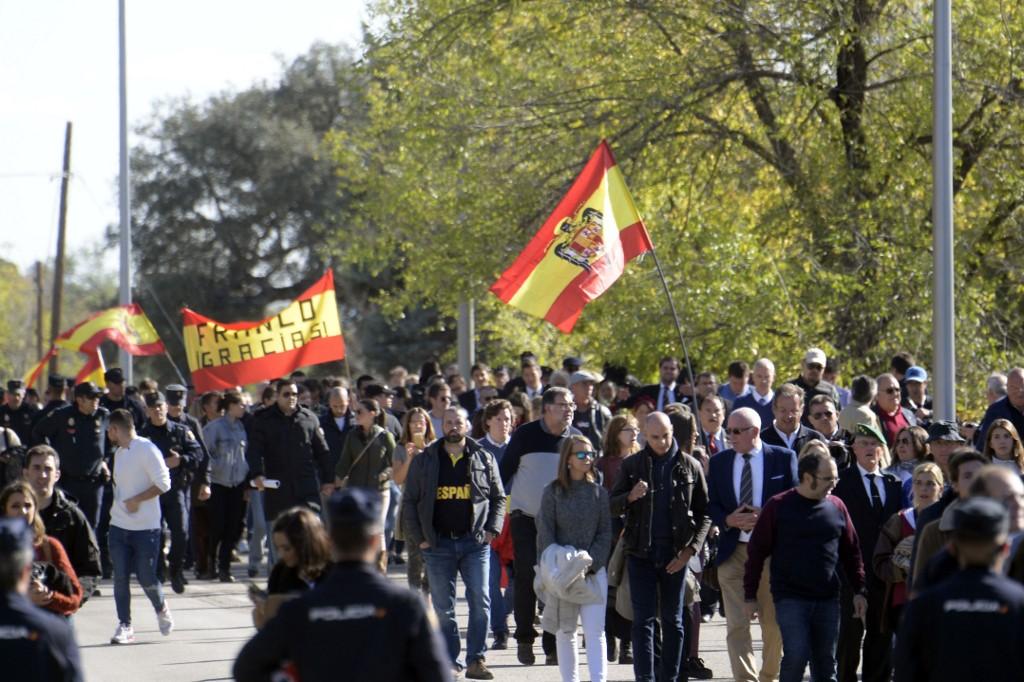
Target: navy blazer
point(866, 521)
point(779, 476)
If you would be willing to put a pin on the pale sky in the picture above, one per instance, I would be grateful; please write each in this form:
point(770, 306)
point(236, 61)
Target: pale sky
point(58, 63)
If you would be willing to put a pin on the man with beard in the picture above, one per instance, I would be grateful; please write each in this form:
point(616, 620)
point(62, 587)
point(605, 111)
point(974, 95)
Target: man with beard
point(453, 507)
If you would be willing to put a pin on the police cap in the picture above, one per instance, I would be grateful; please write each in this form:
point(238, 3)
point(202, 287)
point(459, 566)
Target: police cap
point(944, 429)
point(155, 398)
point(55, 381)
point(15, 385)
point(15, 535)
point(980, 518)
point(175, 394)
point(355, 507)
point(114, 375)
point(87, 389)
point(374, 390)
point(69, 382)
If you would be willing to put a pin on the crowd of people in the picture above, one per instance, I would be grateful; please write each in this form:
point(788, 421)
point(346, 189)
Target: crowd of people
point(861, 532)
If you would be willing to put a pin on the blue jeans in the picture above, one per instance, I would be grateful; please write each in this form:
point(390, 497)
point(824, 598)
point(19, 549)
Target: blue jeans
point(391, 520)
point(468, 558)
point(134, 550)
point(260, 531)
point(810, 630)
point(647, 579)
point(501, 604)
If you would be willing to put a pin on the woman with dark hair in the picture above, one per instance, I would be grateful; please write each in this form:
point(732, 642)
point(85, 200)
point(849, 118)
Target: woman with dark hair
point(522, 409)
point(54, 585)
point(620, 442)
point(303, 560)
point(417, 434)
point(226, 442)
point(428, 371)
point(574, 512)
point(1003, 445)
point(911, 449)
point(366, 459)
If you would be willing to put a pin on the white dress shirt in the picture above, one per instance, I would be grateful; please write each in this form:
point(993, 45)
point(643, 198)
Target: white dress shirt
point(664, 392)
point(762, 399)
point(790, 439)
point(756, 477)
point(867, 483)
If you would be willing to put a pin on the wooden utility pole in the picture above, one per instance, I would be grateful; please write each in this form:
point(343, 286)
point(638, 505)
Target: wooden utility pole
point(58, 267)
point(40, 340)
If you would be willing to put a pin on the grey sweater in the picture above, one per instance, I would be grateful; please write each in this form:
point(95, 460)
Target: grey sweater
point(579, 517)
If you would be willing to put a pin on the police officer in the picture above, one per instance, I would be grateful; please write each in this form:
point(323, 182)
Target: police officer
point(16, 414)
point(970, 627)
point(34, 644)
point(199, 522)
point(286, 444)
point(183, 456)
point(117, 399)
point(78, 433)
point(56, 396)
point(356, 624)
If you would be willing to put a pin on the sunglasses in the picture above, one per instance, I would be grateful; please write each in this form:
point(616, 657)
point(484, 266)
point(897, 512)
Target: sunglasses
point(821, 415)
point(585, 455)
point(736, 432)
point(288, 394)
point(892, 390)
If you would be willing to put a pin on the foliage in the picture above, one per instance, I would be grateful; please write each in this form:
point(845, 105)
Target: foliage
point(780, 153)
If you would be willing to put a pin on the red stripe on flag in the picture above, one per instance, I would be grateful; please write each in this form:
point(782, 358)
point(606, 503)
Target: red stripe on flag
point(566, 309)
point(325, 349)
point(588, 181)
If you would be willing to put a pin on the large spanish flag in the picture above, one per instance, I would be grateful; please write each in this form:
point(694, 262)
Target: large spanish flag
point(127, 326)
point(581, 249)
point(225, 355)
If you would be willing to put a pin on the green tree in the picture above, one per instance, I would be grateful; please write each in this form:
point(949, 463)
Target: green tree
point(780, 153)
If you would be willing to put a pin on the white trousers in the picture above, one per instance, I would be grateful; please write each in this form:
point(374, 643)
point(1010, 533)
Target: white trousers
point(592, 616)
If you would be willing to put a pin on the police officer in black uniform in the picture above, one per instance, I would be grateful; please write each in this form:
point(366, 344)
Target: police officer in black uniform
point(356, 625)
point(199, 524)
point(35, 644)
point(56, 396)
point(287, 444)
point(117, 399)
point(183, 455)
point(971, 626)
point(16, 414)
point(78, 433)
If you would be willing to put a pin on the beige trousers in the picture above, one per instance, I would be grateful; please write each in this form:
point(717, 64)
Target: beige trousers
point(738, 640)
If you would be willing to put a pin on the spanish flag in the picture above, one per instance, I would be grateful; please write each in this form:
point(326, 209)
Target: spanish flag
point(93, 370)
point(127, 326)
point(581, 249)
point(227, 354)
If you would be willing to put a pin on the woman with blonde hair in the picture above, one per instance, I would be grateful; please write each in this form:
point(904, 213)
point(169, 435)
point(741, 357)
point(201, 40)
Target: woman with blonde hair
point(417, 434)
point(54, 585)
point(574, 512)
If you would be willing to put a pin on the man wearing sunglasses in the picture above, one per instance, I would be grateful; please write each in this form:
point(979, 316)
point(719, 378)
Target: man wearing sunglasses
point(812, 370)
point(892, 416)
point(740, 481)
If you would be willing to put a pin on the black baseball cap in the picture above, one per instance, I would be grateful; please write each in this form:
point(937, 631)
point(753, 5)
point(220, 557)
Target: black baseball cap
point(980, 518)
point(374, 390)
point(155, 398)
point(114, 375)
point(55, 381)
point(87, 389)
point(355, 507)
point(944, 429)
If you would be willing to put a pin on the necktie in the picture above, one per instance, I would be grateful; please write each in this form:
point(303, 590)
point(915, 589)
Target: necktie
point(876, 498)
point(747, 482)
point(713, 446)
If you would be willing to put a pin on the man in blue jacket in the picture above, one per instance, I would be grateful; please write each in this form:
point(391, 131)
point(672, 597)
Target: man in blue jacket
point(740, 480)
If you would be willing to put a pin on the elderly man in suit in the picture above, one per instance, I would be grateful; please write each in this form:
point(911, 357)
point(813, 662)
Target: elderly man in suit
point(740, 481)
point(871, 496)
point(787, 431)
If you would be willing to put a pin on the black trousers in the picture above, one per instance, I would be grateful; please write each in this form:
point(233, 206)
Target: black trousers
point(226, 509)
point(174, 508)
point(877, 643)
point(524, 542)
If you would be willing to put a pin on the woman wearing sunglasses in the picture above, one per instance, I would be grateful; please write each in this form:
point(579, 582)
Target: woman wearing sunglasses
point(574, 512)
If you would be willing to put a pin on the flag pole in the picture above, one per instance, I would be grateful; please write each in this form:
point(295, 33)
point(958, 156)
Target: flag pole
point(682, 339)
point(184, 382)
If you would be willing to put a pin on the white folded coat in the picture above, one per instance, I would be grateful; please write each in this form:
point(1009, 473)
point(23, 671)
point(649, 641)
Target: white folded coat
point(562, 584)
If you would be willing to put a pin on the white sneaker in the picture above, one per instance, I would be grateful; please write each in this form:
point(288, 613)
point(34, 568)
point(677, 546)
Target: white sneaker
point(166, 622)
point(123, 635)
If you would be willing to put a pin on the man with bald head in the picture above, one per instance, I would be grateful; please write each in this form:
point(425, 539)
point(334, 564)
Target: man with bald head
point(740, 481)
point(1011, 406)
point(663, 493)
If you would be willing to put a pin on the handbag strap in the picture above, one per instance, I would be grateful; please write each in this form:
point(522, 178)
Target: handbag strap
point(359, 457)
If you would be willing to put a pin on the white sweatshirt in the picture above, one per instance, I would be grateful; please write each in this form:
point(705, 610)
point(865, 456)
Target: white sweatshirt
point(136, 468)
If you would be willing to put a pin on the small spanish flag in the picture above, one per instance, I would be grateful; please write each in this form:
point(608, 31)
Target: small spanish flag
point(126, 325)
point(581, 249)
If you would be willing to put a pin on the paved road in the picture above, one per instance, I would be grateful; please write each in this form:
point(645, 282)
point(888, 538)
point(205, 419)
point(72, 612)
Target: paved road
point(212, 622)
